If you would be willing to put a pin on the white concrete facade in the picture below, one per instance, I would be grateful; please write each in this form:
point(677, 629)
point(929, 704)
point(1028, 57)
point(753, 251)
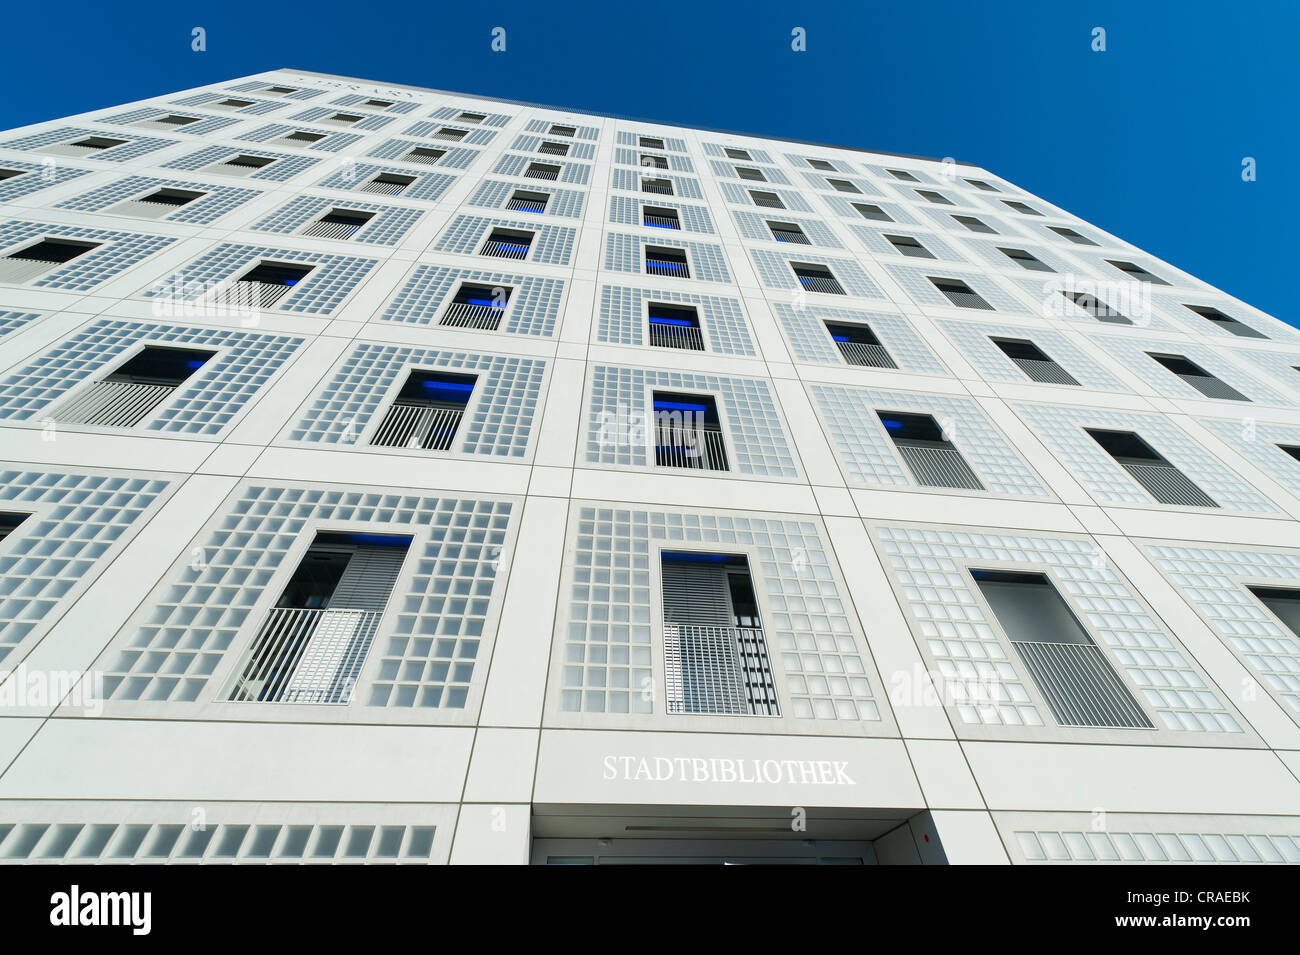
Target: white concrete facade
point(507, 707)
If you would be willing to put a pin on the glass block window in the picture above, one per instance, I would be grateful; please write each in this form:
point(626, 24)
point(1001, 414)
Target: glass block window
point(1133, 354)
point(62, 137)
point(148, 114)
point(572, 173)
point(549, 146)
point(1182, 310)
point(34, 177)
point(546, 126)
point(427, 644)
point(622, 319)
point(12, 321)
point(982, 676)
point(533, 308)
point(976, 347)
point(805, 332)
point(388, 226)
point(625, 253)
point(255, 107)
point(867, 455)
point(551, 244)
point(757, 227)
point(627, 210)
point(727, 170)
point(618, 432)
point(499, 421)
point(117, 252)
point(215, 202)
point(750, 154)
point(497, 193)
point(991, 251)
point(1261, 443)
point(859, 185)
point(916, 282)
point(1284, 366)
point(608, 645)
point(332, 140)
point(646, 157)
point(738, 195)
point(775, 271)
point(316, 114)
point(1071, 839)
point(283, 168)
point(496, 120)
point(446, 133)
point(878, 241)
point(1062, 430)
point(627, 137)
point(78, 522)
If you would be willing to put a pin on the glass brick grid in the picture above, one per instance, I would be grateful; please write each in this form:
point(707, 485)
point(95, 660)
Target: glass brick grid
point(332, 143)
point(884, 175)
point(801, 162)
point(623, 253)
point(136, 146)
point(258, 107)
point(1213, 579)
point(775, 271)
point(945, 219)
point(36, 177)
point(552, 244)
point(843, 206)
point(368, 122)
point(1175, 308)
point(513, 164)
point(260, 85)
point(119, 251)
point(608, 648)
point(388, 226)
point(626, 210)
point(629, 180)
point(95, 837)
point(171, 650)
point(867, 454)
point(1123, 296)
point(400, 107)
point(617, 432)
point(1061, 429)
point(332, 279)
point(1282, 365)
point(754, 226)
point(1258, 441)
point(993, 364)
point(988, 248)
point(1086, 845)
point(495, 193)
point(805, 330)
point(529, 144)
point(623, 318)
point(80, 518)
point(205, 125)
point(727, 170)
point(472, 137)
point(738, 195)
point(533, 308)
point(204, 405)
point(1095, 262)
point(873, 238)
point(455, 158)
point(1043, 232)
point(917, 284)
point(627, 137)
point(818, 182)
point(632, 157)
point(983, 675)
point(12, 321)
point(1133, 354)
point(428, 185)
point(496, 120)
point(956, 201)
point(755, 155)
point(215, 203)
point(498, 422)
point(284, 168)
point(580, 132)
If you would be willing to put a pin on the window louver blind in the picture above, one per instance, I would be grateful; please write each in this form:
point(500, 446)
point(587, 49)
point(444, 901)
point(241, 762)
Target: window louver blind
point(696, 594)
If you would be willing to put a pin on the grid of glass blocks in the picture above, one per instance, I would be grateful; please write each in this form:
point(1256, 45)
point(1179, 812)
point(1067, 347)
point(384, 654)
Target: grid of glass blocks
point(805, 331)
point(930, 567)
point(533, 308)
point(867, 454)
point(944, 218)
point(775, 270)
point(551, 244)
point(635, 157)
point(739, 195)
point(845, 207)
point(171, 649)
point(756, 227)
point(472, 137)
point(76, 519)
point(875, 239)
point(499, 421)
point(1134, 355)
point(1258, 442)
point(532, 144)
point(205, 125)
point(1055, 297)
point(332, 143)
point(1062, 430)
point(627, 137)
point(358, 176)
point(625, 253)
point(489, 119)
point(400, 107)
point(285, 167)
point(1214, 579)
point(261, 86)
point(626, 210)
point(389, 225)
point(329, 282)
point(316, 114)
point(215, 203)
point(495, 193)
point(804, 162)
point(720, 151)
point(1284, 366)
point(512, 164)
point(608, 665)
point(135, 147)
point(821, 182)
point(631, 180)
point(916, 175)
point(453, 157)
point(257, 107)
point(12, 321)
point(622, 318)
point(579, 132)
point(204, 405)
point(1085, 844)
point(727, 170)
point(118, 251)
point(619, 426)
point(1177, 309)
point(993, 364)
point(916, 282)
point(34, 178)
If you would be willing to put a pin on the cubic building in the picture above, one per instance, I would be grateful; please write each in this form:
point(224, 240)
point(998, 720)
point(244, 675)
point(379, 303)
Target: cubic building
point(396, 475)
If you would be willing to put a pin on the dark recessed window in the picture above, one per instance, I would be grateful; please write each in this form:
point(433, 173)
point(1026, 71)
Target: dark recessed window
point(1034, 362)
point(1026, 261)
point(1150, 469)
point(908, 245)
point(933, 460)
point(817, 278)
point(660, 218)
point(426, 412)
point(1196, 376)
point(1070, 234)
point(859, 345)
point(507, 244)
point(959, 293)
point(1135, 271)
point(674, 326)
point(869, 211)
point(975, 225)
point(1226, 322)
point(671, 262)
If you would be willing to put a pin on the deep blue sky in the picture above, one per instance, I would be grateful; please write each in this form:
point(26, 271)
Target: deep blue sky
point(1145, 139)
